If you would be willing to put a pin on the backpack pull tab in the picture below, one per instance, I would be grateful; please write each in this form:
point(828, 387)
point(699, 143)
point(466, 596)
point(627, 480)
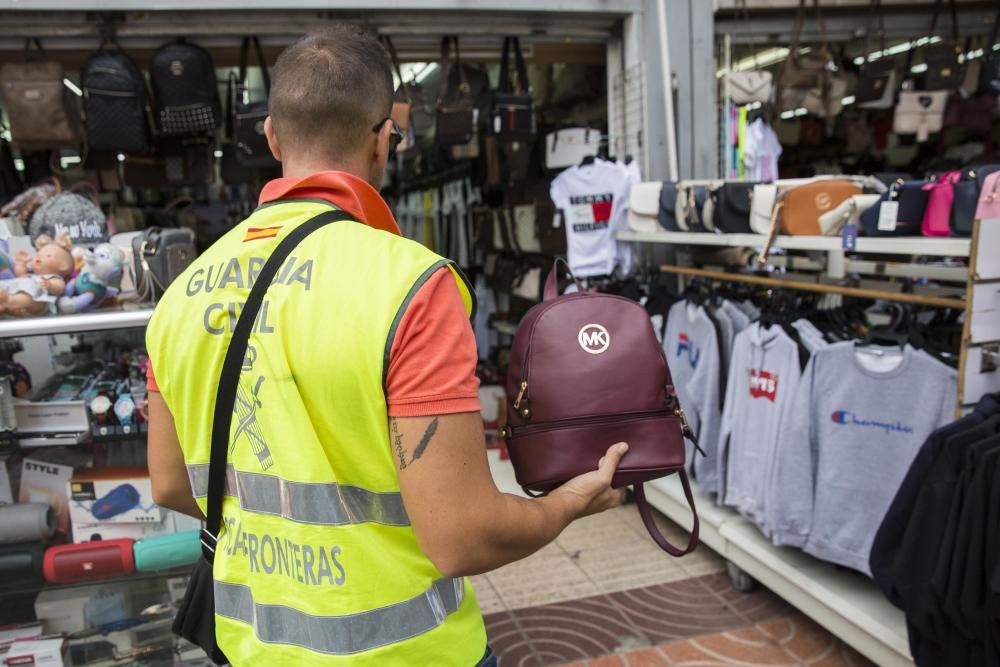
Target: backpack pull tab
point(520, 395)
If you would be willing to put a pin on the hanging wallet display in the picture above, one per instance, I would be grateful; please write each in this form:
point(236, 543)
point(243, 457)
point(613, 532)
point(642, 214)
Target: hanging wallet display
point(103, 559)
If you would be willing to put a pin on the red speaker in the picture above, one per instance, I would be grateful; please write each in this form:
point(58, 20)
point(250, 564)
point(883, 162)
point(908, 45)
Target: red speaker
point(101, 559)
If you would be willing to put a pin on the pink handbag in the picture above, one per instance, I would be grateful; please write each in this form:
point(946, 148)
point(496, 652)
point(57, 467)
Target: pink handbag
point(937, 215)
point(989, 198)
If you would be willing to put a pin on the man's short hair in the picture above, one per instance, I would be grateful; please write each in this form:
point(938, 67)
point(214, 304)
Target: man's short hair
point(329, 89)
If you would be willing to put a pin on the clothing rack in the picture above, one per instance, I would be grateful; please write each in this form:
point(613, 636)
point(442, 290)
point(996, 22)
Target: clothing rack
point(862, 293)
point(437, 179)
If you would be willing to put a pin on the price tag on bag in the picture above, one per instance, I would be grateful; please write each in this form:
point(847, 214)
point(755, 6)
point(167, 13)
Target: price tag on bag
point(850, 236)
point(888, 212)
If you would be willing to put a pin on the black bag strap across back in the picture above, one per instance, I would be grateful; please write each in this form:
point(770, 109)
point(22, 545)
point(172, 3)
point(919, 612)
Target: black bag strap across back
point(225, 397)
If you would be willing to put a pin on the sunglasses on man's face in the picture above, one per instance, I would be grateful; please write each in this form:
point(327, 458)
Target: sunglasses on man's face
point(395, 138)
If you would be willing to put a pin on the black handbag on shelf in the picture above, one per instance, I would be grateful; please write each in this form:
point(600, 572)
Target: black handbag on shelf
point(512, 110)
point(912, 199)
point(160, 256)
point(944, 71)
point(195, 620)
point(967, 192)
point(731, 212)
point(247, 118)
point(668, 207)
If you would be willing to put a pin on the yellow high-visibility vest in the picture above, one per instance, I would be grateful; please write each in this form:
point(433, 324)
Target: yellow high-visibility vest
point(317, 563)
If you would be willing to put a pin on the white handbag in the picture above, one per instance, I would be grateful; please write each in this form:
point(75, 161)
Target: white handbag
point(525, 229)
point(529, 285)
point(832, 222)
point(644, 207)
point(813, 101)
point(920, 113)
point(567, 148)
point(752, 86)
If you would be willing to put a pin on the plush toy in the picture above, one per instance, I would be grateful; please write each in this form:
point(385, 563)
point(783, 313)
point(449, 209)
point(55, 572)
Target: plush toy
point(37, 280)
point(99, 279)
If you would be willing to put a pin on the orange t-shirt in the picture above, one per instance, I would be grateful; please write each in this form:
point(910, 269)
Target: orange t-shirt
point(432, 362)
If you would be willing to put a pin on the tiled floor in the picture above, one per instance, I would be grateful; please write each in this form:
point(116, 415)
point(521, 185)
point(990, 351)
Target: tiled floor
point(604, 595)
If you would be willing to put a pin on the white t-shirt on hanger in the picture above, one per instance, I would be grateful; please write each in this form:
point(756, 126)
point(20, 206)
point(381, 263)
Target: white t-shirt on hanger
point(592, 198)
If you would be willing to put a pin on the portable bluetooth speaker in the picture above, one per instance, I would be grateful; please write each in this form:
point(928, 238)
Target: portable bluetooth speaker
point(26, 522)
point(103, 559)
point(116, 501)
point(163, 552)
point(21, 565)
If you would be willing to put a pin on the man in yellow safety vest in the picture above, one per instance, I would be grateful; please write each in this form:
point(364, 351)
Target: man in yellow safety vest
point(358, 494)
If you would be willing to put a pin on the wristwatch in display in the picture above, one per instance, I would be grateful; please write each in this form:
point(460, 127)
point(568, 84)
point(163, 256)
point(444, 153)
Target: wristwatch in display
point(125, 409)
point(100, 406)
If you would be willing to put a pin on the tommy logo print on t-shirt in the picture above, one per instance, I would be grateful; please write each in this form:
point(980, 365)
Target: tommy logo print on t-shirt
point(686, 347)
point(763, 384)
point(590, 213)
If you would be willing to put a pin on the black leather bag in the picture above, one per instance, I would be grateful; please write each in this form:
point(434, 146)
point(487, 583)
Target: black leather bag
point(114, 102)
point(195, 620)
point(511, 109)
point(160, 256)
point(944, 71)
point(878, 76)
point(967, 192)
point(462, 89)
point(668, 207)
point(246, 118)
point(989, 73)
point(185, 89)
point(731, 210)
point(912, 199)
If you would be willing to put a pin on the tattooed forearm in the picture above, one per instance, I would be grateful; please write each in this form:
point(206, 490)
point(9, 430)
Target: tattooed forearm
point(426, 439)
point(397, 440)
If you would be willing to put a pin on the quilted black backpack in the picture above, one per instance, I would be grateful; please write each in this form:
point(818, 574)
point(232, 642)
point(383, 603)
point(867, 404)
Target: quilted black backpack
point(114, 100)
point(185, 89)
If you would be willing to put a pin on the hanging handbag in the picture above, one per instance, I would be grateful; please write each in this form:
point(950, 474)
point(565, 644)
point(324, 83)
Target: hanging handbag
point(944, 71)
point(114, 101)
point(401, 102)
point(732, 210)
point(912, 202)
point(806, 70)
point(186, 93)
point(937, 216)
point(586, 370)
point(988, 205)
point(43, 114)
point(512, 111)
point(503, 231)
point(920, 113)
point(750, 86)
point(644, 207)
point(247, 118)
point(195, 619)
point(667, 215)
point(877, 79)
point(832, 222)
point(989, 71)
point(567, 147)
point(10, 178)
point(457, 120)
point(526, 228)
point(970, 191)
point(160, 255)
point(803, 205)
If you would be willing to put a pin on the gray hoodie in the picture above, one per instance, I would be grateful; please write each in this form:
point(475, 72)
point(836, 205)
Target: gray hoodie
point(764, 377)
point(850, 438)
point(692, 350)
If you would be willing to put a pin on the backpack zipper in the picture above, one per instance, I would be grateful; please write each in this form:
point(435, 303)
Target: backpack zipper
point(620, 418)
point(113, 93)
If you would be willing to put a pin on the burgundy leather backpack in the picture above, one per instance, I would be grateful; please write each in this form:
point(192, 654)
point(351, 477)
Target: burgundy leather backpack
point(586, 371)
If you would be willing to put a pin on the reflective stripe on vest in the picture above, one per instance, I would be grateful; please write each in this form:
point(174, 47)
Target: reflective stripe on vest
point(341, 635)
point(323, 504)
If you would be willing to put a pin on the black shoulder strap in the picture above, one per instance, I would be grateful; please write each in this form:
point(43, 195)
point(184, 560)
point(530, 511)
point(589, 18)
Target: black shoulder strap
point(225, 397)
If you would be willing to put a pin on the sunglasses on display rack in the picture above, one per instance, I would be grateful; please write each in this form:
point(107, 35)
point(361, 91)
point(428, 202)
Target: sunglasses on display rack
point(395, 138)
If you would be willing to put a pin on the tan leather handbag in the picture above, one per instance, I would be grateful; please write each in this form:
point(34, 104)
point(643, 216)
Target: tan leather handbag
point(803, 205)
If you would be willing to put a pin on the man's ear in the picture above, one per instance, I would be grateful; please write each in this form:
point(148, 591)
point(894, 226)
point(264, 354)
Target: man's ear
point(272, 139)
point(382, 145)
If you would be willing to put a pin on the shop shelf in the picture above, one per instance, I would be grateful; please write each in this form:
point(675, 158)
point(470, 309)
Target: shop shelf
point(897, 245)
point(100, 320)
point(846, 603)
point(183, 571)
